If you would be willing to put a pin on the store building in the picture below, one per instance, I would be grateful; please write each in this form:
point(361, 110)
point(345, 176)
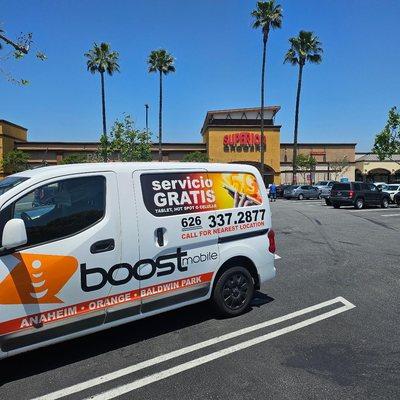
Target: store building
point(231, 136)
point(369, 168)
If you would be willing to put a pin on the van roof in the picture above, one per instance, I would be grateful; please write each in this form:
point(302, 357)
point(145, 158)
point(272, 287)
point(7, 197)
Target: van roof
point(45, 172)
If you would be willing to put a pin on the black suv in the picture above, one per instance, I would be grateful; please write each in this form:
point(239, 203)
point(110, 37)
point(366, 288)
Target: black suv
point(358, 195)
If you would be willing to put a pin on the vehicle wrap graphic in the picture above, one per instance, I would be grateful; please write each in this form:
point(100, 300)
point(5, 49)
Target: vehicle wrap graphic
point(161, 266)
point(40, 319)
point(181, 193)
point(35, 278)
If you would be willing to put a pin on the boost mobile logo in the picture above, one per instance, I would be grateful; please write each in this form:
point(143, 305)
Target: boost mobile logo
point(37, 278)
point(158, 267)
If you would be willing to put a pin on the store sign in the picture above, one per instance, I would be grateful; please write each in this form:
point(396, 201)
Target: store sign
point(242, 141)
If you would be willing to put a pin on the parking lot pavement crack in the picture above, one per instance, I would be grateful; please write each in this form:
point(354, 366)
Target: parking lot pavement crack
point(333, 251)
point(379, 223)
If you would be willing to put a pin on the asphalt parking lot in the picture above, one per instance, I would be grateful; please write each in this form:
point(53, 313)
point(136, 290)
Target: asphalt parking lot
point(326, 328)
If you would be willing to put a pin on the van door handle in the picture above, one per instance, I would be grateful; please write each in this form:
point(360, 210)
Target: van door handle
point(102, 246)
point(160, 236)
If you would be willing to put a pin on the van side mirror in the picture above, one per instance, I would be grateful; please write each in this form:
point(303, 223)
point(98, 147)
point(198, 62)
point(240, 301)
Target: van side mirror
point(14, 234)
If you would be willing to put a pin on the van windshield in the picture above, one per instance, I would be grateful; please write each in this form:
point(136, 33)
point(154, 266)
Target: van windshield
point(10, 182)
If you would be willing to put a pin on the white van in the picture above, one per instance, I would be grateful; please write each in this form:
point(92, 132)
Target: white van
point(87, 247)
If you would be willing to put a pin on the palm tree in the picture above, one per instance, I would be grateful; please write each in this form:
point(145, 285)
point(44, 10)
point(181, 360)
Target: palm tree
point(267, 15)
point(162, 62)
point(101, 59)
point(305, 47)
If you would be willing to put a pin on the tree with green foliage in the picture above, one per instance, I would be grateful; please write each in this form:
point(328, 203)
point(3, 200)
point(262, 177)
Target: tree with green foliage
point(267, 16)
point(102, 60)
point(339, 167)
point(127, 143)
point(19, 49)
point(305, 47)
point(162, 62)
point(306, 164)
point(196, 156)
point(387, 142)
point(15, 161)
point(74, 158)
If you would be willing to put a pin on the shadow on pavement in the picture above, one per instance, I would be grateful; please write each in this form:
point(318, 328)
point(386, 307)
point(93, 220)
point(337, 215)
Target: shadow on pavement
point(75, 350)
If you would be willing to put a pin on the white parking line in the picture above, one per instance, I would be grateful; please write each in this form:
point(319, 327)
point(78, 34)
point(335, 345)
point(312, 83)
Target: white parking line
point(118, 391)
point(367, 210)
point(390, 215)
point(172, 371)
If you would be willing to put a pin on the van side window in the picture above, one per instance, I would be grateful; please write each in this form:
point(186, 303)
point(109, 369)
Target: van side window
point(61, 208)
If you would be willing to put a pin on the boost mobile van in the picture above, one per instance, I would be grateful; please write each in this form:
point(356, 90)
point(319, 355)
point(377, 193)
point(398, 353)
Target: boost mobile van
point(87, 247)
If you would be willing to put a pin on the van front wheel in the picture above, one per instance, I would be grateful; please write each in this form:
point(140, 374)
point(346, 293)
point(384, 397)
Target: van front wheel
point(233, 292)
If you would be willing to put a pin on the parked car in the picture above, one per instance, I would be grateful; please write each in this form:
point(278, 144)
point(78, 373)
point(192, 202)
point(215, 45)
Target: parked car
point(381, 185)
point(301, 192)
point(280, 189)
point(325, 188)
point(396, 199)
point(392, 190)
point(358, 195)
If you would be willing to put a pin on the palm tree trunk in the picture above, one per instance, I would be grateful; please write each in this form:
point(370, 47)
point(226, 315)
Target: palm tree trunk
point(296, 123)
point(160, 157)
point(262, 149)
point(103, 109)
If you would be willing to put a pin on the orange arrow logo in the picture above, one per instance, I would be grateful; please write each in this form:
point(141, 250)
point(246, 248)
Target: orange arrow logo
point(37, 278)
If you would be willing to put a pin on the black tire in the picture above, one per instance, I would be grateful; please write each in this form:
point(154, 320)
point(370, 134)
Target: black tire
point(328, 202)
point(359, 203)
point(385, 202)
point(300, 196)
point(233, 292)
point(336, 205)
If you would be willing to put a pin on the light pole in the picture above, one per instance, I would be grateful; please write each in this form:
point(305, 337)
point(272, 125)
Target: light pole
point(146, 106)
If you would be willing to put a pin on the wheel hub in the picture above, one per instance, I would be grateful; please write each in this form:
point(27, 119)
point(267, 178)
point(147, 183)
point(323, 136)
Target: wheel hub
point(235, 291)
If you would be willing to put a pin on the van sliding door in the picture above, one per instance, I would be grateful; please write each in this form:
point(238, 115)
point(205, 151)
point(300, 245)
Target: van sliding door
point(178, 256)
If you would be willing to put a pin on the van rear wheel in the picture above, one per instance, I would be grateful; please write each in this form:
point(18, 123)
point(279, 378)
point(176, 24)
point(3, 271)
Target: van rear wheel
point(233, 292)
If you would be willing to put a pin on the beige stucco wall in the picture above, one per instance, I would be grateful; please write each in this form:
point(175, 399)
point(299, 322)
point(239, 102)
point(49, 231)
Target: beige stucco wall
point(366, 166)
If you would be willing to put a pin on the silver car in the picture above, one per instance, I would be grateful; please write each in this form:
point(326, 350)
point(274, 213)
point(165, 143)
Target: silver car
point(301, 192)
point(324, 188)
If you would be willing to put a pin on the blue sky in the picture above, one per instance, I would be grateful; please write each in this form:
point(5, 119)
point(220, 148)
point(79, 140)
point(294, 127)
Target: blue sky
point(218, 58)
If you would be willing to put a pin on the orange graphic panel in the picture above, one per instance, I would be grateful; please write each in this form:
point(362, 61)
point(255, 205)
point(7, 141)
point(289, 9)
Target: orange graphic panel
point(37, 278)
point(229, 185)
